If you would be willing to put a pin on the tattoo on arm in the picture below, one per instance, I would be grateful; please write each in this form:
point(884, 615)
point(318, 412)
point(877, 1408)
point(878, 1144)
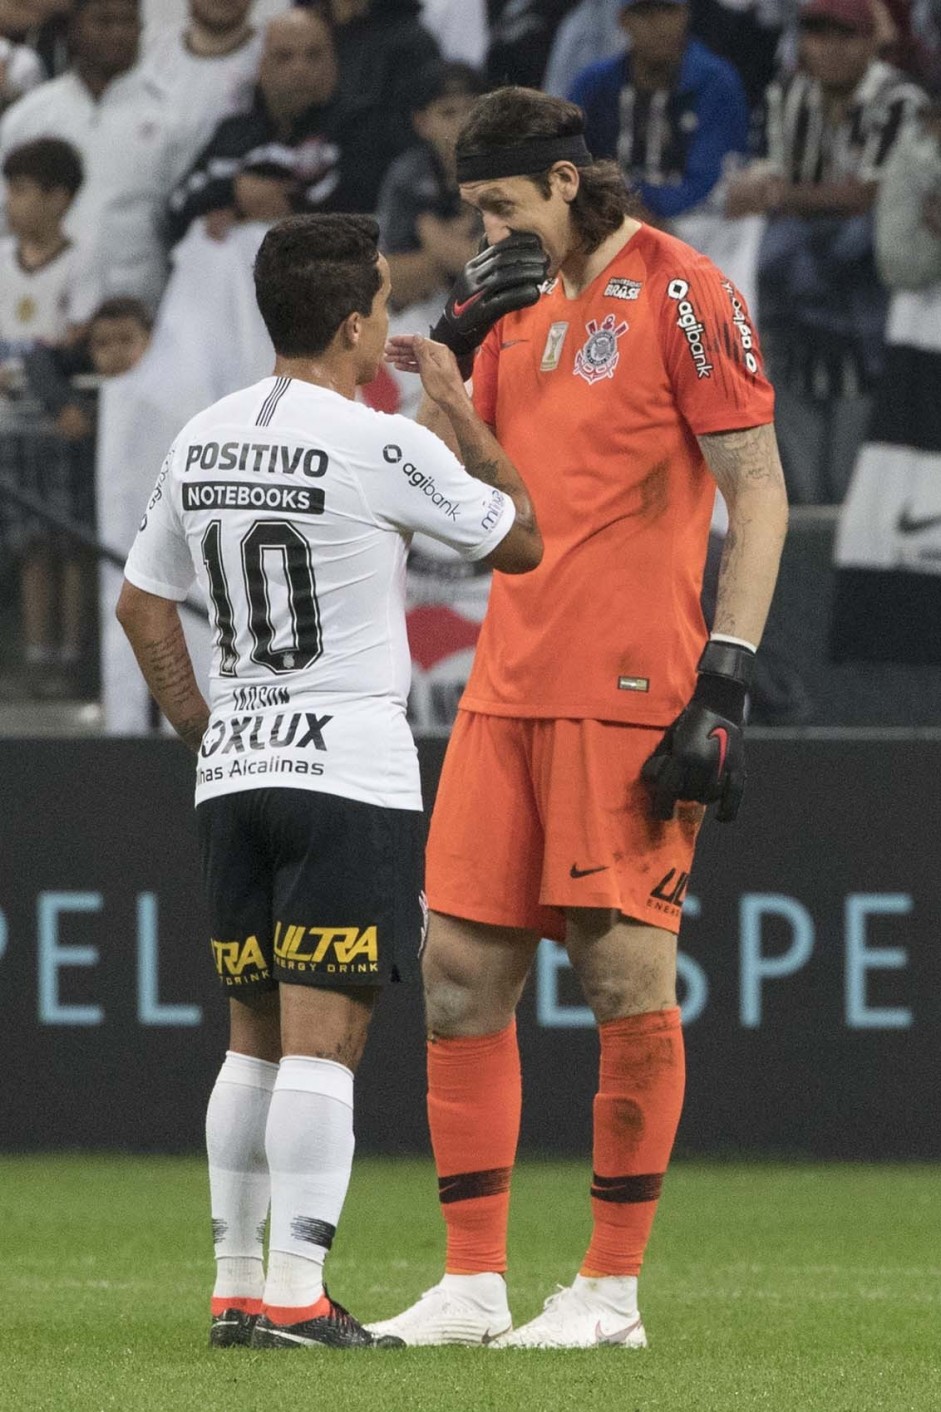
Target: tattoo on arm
point(492, 471)
point(728, 574)
point(483, 469)
point(747, 469)
point(168, 670)
point(739, 458)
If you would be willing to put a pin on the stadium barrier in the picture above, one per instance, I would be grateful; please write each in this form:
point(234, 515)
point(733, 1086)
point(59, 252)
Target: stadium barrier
point(810, 970)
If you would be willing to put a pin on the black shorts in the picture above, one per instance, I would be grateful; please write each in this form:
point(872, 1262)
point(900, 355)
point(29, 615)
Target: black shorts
point(309, 889)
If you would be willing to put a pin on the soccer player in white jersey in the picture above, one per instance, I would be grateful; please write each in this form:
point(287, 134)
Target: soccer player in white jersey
point(293, 505)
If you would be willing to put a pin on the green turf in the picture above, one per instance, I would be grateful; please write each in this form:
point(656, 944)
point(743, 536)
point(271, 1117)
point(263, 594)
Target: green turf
point(774, 1287)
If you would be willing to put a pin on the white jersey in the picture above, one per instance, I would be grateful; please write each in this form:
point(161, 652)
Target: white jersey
point(294, 507)
point(21, 68)
point(209, 87)
point(34, 304)
point(135, 146)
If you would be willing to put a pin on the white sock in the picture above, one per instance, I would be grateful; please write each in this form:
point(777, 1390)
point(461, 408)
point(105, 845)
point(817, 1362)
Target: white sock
point(309, 1143)
point(238, 1173)
point(619, 1292)
point(486, 1289)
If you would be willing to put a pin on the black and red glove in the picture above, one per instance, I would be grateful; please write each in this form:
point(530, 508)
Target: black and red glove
point(701, 758)
point(499, 279)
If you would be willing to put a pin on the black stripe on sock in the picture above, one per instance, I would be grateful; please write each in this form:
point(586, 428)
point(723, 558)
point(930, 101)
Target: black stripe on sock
point(219, 1229)
point(464, 1186)
point(313, 1232)
point(627, 1189)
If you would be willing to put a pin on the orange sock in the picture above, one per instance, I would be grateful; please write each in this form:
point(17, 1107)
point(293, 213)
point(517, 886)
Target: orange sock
point(474, 1097)
point(297, 1314)
point(221, 1304)
point(636, 1114)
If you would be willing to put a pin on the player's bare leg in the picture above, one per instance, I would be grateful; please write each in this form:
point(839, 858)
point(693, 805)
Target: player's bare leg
point(238, 1169)
point(309, 1146)
point(474, 976)
point(627, 971)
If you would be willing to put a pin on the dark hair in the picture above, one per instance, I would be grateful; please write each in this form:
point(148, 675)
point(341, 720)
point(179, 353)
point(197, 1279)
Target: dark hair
point(311, 273)
point(510, 116)
point(320, 8)
point(438, 79)
point(51, 163)
point(122, 306)
point(78, 5)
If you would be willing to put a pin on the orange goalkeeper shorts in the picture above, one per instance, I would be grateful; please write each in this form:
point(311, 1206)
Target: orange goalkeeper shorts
point(534, 816)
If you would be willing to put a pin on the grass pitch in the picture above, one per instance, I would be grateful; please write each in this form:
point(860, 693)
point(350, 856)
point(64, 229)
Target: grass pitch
point(776, 1287)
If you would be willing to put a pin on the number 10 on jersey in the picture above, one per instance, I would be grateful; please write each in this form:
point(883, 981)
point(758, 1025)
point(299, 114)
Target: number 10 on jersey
point(298, 631)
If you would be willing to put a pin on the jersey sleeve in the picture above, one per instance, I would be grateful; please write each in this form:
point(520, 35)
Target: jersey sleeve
point(160, 560)
point(711, 351)
point(420, 485)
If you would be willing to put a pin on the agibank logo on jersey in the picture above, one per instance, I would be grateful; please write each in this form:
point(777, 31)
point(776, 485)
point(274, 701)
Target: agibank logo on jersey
point(740, 320)
point(426, 485)
point(158, 490)
point(599, 357)
point(688, 320)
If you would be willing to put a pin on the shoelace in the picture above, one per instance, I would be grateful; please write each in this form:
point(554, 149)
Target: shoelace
point(340, 1316)
point(554, 1302)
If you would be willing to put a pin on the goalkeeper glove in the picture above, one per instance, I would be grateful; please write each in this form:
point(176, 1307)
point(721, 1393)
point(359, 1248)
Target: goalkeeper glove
point(499, 279)
point(701, 756)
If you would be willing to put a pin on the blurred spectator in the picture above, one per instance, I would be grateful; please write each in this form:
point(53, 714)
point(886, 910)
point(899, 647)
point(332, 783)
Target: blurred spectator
point(115, 339)
point(20, 66)
point(381, 45)
point(926, 29)
point(36, 266)
point(830, 130)
point(908, 207)
point(900, 41)
point(521, 35)
point(592, 32)
point(36, 260)
point(118, 337)
point(426, 234)
point(298, 148)
point(57, 596)
point(41, 25)
point(210, 65)
point(745, 32)
point(669, 111)
point(748, 34)
point(460, 28)
point(133, 144)
point(887, 599)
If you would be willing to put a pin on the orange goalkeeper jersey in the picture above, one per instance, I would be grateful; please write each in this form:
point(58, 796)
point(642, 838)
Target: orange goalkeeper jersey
point(598, 401)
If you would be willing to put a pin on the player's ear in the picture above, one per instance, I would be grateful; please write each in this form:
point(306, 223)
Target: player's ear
point(351, 329)
point(564, 179)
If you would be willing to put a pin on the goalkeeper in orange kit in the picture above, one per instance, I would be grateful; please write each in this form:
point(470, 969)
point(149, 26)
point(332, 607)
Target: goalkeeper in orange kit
point(599, 719)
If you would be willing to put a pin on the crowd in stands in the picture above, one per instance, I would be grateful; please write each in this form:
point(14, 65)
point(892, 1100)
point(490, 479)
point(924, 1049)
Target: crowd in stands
point(770, 132)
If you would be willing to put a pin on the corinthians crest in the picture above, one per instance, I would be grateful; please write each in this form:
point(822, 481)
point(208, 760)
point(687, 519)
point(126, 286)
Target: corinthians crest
point(599, 357)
